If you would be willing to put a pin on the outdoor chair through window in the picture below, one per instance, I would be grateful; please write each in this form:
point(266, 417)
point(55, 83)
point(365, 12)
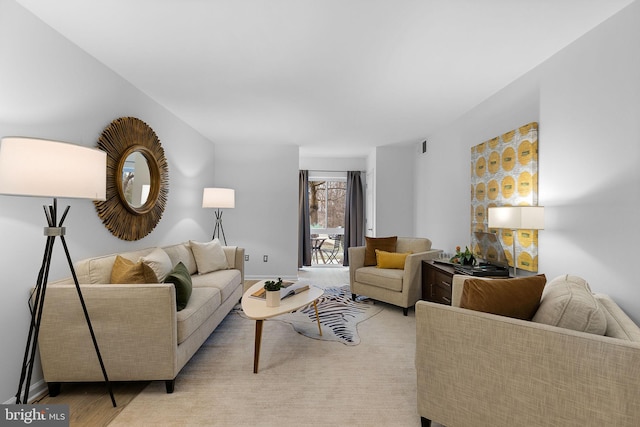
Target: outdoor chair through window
point(333, 251)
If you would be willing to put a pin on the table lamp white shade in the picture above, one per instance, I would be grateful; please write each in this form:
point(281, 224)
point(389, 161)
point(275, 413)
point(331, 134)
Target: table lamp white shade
point(219, 198)
point(517, 217)
point(44, 168)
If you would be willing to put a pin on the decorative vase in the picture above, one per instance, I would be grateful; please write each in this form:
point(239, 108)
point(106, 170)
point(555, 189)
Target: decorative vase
point(273, 298)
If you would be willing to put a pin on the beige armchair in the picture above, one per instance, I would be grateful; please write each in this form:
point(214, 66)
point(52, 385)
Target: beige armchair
point(400, 287)
point(482, 369)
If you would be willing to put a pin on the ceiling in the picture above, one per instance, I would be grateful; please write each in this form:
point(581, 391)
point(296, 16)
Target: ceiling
point(335, 77)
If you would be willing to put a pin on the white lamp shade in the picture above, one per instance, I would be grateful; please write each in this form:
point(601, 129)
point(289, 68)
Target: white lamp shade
point(219, 198)
point(43, 168)
point(517, 217)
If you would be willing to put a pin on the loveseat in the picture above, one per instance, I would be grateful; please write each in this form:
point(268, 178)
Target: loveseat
point(480, 369)
point(140, 332)
point(397, 283)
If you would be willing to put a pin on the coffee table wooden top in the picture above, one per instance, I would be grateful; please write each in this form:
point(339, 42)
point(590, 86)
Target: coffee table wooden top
point(255, 308)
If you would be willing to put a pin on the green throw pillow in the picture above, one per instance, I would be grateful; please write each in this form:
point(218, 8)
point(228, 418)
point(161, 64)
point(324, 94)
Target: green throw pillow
point(181, 279)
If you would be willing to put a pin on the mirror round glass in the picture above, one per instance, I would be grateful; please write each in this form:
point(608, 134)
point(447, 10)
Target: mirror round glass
point(136, 179)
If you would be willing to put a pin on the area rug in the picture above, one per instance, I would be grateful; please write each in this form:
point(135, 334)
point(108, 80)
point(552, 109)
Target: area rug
point(339, 316)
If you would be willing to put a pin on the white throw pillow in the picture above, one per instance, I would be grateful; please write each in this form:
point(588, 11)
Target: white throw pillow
point(567, 302)
point(209, 256)
point(159, 262)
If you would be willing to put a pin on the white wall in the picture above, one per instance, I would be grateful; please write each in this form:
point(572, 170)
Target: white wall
point(341, 164)
point(587, 101)
point(51, 89)
point(265, 219)
point(394, 189)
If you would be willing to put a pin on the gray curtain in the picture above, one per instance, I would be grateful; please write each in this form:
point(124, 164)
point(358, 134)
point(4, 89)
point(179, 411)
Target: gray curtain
point(353, 214)
point(304, 233)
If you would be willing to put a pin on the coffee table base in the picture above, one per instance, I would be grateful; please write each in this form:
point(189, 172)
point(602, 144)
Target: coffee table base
point(258, 339)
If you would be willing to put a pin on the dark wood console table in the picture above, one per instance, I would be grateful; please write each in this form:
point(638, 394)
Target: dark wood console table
point(436, 282)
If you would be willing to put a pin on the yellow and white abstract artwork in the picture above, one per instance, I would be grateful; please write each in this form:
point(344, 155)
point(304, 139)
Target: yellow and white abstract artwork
point(504, 172)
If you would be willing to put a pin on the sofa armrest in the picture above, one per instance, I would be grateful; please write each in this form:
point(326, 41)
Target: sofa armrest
point(457, 286)
point(135, 327)
point(514, 372)
point(235, 259)
point(413, 272)
point(413, 262)
point(356, 261)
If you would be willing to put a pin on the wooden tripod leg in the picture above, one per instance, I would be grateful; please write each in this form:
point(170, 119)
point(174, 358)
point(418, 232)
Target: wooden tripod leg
point(317, 317)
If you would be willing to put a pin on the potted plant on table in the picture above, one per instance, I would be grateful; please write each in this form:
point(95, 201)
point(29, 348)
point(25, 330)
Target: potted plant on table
point(273, 292)
point(464, 258)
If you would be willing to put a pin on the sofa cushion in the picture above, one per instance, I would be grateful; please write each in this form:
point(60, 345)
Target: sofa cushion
point(159, 262)
point(202, 304)
point(182, 252)
point(386, 278)
point(568, 303)
point(209, 256)
point(125, 271)
point(181, 279)
point(227, 281)
point(387, 244)
point(391, 259)
point(518, 298)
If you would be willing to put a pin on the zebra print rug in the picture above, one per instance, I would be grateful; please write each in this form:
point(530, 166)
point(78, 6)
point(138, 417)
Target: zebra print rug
point(339, 316)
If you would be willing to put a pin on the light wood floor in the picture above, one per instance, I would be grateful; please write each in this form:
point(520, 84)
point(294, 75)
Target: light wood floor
point(90, 404)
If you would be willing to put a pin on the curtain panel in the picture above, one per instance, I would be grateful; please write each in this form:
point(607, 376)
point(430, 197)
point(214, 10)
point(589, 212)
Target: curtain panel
point(304, 228)
point(353, 214)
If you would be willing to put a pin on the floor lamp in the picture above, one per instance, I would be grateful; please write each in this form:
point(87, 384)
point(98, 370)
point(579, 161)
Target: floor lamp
point(516, 218)
point(43, 168)
point(219, 198)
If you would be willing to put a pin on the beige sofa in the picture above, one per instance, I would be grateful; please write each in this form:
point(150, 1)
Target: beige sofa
point(481, 369)
point(400, 287)
point(140, 333)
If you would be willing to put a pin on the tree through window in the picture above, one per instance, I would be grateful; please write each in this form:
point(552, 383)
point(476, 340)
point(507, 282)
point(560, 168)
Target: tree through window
point(327, 203)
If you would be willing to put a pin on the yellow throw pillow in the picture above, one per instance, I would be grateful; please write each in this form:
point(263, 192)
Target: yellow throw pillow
point(391, 259)
point(125, 272)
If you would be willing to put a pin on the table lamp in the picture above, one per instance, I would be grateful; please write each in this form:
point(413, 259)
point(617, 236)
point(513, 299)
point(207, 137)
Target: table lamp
point(219, 198)
point(516, 218)
point(44, 168)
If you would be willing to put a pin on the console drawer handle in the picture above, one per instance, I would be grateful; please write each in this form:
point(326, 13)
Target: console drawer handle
point(447, 300)
point(448, 285)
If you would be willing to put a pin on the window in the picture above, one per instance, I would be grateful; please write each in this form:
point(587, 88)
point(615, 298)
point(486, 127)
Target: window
point(327, 202)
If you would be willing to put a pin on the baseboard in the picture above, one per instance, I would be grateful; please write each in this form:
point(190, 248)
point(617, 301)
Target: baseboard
point(285, 277)
point(36, 391)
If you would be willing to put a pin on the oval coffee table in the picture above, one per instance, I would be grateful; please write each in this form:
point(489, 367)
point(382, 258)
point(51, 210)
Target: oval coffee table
point(257, 309)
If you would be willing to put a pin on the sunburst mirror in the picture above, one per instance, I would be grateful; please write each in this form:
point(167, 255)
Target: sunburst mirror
point(137, 179)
